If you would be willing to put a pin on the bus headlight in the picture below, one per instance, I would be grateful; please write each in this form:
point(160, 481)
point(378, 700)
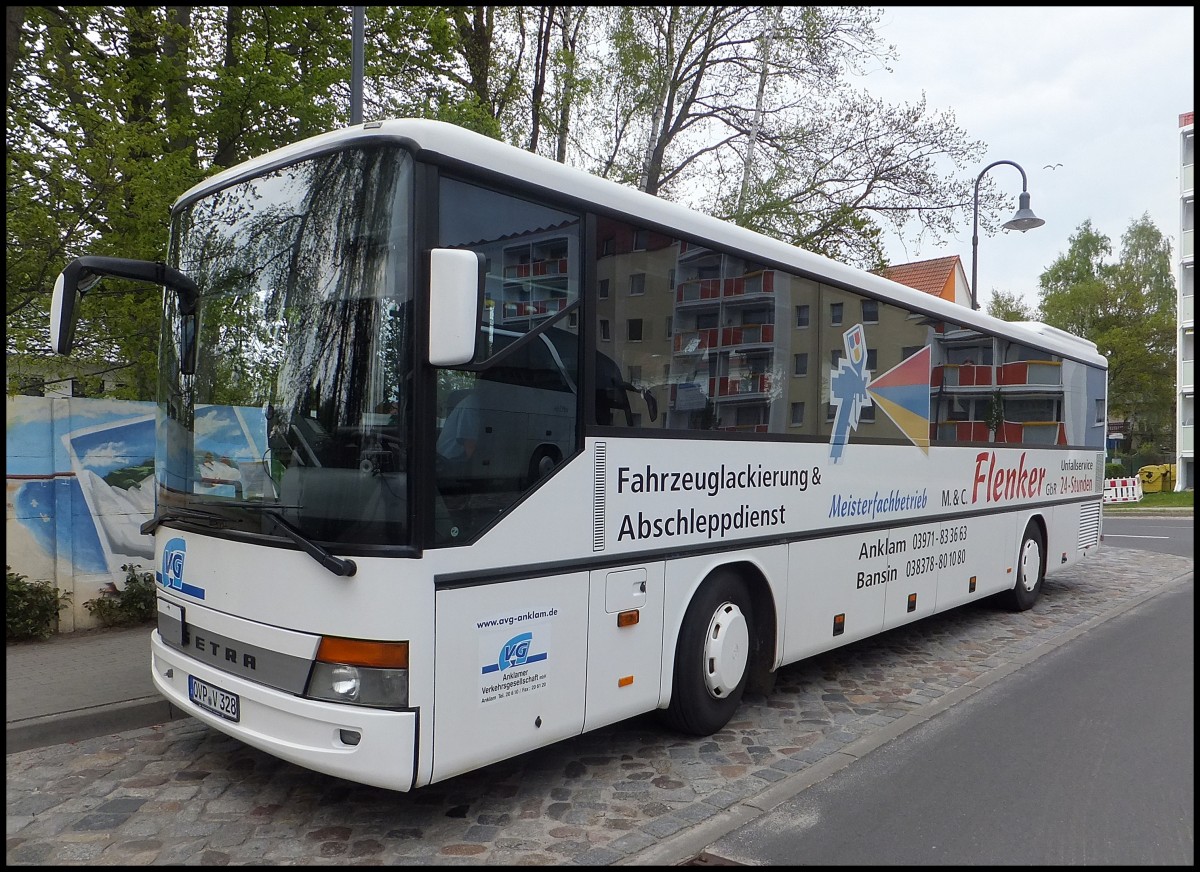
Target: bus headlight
point(360, 672)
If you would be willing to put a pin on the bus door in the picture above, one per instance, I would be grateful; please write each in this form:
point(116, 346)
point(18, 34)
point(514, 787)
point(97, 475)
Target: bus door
point(625, 630)
point(508, 675)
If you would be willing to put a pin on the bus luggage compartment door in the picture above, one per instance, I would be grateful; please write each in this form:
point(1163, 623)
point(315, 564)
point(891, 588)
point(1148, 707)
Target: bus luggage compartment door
point(625, 628)
point(508, 665)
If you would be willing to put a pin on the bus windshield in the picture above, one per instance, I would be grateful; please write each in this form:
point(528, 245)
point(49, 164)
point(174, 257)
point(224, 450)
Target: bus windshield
point(300, 407)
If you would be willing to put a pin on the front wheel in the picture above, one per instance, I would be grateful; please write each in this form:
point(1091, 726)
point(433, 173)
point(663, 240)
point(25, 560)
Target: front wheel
point(542, 464)
point(712, 658)
point(1031, 562)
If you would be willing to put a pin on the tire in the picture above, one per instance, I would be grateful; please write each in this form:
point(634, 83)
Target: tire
point(713, 656)
point(1031, 570)
point(541, 465)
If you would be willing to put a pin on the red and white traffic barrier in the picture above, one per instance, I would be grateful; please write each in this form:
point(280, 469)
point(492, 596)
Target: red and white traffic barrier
point(1123, 490)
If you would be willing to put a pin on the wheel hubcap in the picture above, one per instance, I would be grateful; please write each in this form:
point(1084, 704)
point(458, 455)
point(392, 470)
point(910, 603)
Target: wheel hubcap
point(1031, 564)
point(726, 650)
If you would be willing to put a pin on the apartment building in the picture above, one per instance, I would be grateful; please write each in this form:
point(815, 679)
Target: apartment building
point(1185, 440)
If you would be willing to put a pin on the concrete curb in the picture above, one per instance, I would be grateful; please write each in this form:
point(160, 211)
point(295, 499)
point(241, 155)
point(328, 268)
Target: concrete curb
point(88, 723)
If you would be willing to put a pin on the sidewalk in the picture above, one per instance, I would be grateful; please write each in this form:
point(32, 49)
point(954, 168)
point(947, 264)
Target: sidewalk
point(78, 685)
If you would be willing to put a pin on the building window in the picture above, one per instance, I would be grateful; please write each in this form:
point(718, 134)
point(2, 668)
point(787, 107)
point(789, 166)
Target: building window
point(602, 289)
point(830, 412)
point(604, 333)
point(835, 313)
point(872, 358)
point(607, 246)
point(639, 240)
point(866, 415)
point(797, 414)
point(870, 311)
point(835, 357)
point(670, 327)
point(800, 364)
point(671, 278)
point(635, 375)
point(637, 284)
point(634, 329)
point(802, 316)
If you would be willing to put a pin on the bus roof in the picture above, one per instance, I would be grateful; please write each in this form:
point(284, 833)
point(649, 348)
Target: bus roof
point(430, 139)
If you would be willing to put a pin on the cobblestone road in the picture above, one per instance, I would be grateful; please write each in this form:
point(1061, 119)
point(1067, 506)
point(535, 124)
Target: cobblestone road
point(183, 794)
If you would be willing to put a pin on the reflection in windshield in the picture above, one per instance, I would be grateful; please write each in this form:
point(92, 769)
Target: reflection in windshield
point(301, 400)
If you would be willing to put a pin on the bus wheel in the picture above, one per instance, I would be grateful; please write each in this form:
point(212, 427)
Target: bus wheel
point(712, 659)
point(542, 464)
point(1030, 563)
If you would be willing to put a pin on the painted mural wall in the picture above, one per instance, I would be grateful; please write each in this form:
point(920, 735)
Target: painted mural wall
point(80, 483)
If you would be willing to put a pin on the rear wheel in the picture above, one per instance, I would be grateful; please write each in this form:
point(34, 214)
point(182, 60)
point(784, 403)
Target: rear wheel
point(1031, 560)
point(542, 464)
point(712, 657)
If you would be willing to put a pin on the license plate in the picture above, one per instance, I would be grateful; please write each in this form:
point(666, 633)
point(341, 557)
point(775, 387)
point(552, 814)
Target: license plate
point(214, 699)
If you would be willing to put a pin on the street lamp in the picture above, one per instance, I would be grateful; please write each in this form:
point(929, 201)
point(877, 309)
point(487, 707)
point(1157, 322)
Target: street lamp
point(1023, 220)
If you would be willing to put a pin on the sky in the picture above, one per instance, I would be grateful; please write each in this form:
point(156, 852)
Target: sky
point(1094, 92)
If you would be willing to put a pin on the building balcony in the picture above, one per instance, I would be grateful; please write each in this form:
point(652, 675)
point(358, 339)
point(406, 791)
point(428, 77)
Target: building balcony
point(1187, 244)
point(748, 334)
point(752, 286)
point(1187, 309)
point(693, 341)
point(744, 386)
point(1187, 373)
point(1186, 439)
point(698, 291)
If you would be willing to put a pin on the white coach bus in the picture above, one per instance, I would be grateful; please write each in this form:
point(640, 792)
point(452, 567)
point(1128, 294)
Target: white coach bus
point(707, 454)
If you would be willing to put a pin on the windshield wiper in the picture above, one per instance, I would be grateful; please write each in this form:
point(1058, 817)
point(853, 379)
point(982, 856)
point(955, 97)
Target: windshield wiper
point(337, 565)
point(176, 514)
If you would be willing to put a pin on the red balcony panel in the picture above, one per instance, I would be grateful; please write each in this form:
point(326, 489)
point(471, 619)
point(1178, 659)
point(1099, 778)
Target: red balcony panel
point(1014, 374)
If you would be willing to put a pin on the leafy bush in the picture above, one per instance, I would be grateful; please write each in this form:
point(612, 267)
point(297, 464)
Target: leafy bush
point(1114, 470)
point(134, 605)
point(31, 607)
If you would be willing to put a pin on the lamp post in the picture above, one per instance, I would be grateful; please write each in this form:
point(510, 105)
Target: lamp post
point(1023, 220)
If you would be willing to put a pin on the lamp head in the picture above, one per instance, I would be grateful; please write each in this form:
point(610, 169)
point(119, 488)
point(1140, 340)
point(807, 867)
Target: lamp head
point(1024, 219)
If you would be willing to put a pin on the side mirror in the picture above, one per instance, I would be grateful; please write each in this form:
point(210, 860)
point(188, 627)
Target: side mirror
point(456, 279)
point(79, 275)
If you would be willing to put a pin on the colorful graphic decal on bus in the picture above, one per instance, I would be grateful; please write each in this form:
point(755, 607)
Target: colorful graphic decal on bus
point(902, 392)
point(171, 574)
point(510, 667)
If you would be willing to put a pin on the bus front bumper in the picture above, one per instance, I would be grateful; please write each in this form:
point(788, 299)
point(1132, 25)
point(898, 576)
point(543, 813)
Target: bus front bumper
point(306, 732)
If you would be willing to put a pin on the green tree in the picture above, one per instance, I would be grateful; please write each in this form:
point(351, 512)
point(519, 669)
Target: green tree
point(746, 113)
point(1009, 306)
point(1127, 308)
point(113, 112)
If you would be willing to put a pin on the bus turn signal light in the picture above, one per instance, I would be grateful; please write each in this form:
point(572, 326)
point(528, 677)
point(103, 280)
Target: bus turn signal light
point(839, 624)
point(628, 619)
point(360, 652)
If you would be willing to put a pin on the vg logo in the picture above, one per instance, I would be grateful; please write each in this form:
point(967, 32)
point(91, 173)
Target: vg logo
point(515, 652)
point(171, 574)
